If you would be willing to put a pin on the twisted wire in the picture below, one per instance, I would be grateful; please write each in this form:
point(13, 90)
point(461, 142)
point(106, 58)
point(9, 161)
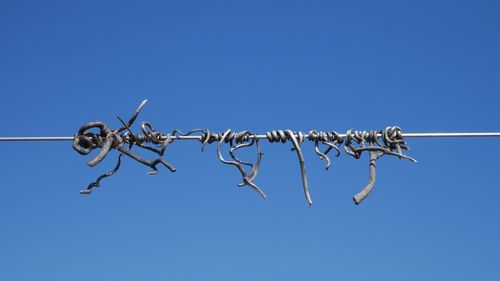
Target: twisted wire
point(331, 139)
point(238, 140)
point(97, 135)
point(85, 141)
point(389, 141)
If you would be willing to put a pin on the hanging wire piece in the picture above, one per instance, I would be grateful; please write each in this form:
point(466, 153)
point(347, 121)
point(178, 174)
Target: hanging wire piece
point(330, 139)
point(392, 144)
point(97, 135)
point(297, 138)
point(237, 141)
point(97, 183)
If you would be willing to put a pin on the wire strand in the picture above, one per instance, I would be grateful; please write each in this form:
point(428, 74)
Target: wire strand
point(405, 135)
point(97, 135)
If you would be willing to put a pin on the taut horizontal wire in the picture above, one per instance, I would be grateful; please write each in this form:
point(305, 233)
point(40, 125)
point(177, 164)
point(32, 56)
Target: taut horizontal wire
point(406, 135)
point(99, 136)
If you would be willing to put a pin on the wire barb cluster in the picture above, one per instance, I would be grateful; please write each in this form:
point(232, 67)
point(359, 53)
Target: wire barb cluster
point(97, 135)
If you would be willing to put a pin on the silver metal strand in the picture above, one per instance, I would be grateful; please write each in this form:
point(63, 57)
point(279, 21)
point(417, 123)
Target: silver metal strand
point(99, 136)
point(405, 135)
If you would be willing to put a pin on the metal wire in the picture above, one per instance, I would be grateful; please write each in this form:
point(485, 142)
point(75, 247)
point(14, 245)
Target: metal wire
point(405, 135)
point(97, 135)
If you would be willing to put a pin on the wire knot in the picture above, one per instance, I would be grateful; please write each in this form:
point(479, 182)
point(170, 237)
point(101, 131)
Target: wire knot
point(393, 139)
point(85, 141)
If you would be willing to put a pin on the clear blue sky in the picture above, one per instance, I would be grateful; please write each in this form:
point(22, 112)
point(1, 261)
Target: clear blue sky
point(329, 65)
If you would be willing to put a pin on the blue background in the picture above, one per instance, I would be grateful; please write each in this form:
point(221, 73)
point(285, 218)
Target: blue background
point(331, 65)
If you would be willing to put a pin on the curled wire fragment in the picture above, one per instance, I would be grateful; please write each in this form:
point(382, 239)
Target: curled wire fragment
point(330, 139)
point(356, 142)
point(97, 183)
point(244, 141)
